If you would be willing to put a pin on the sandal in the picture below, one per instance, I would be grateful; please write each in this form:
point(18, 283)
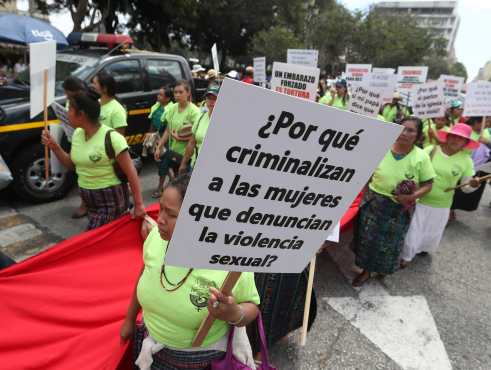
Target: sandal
point(361, 278)
point(156, 194)
point(403, 264)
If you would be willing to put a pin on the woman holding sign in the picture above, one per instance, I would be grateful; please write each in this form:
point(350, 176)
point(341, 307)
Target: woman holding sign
point(175, 300)
point(339, 98)
point(451, 165)
point(404, 175)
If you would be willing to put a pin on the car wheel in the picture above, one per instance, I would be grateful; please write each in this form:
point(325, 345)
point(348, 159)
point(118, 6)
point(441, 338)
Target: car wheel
point(29, 181)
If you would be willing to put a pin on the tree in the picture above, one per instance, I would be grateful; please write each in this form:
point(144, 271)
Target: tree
point(458, 69)
point(273, 43)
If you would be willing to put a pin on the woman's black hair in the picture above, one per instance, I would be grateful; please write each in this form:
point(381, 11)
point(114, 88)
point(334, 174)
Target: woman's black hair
point(471, 121)
point(108, 82)
point(74, 84)
point(180, 183)
point(184, 84)
point(87, 101)
point(419, 126)
point(167, 92)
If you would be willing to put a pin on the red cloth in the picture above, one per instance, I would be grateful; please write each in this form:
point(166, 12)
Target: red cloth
point(63, 308)
point(248, 80)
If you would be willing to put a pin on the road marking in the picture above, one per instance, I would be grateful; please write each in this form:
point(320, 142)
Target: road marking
point(402, 327)
point(18, 233)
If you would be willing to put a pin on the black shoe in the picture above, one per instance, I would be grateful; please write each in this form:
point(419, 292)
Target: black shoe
point(423, 254)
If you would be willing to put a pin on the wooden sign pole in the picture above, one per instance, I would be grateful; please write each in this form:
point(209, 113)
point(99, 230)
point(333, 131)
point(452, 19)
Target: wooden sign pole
point(308, 299)
point(45, 104)
point(227, 286)
point(480, 179)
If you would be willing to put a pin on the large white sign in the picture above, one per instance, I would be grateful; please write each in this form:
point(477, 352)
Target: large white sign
point(365, 101)
point(295, 80)
point(302, 56)
point(274, 176)
point(428, 101)
point(383, 82)
point(355, 73)
point(478, 99)
point(214, 57)
point(390, 71)
point(42, 57)
point(259, 69)
point(408, 78)
point(452, 86)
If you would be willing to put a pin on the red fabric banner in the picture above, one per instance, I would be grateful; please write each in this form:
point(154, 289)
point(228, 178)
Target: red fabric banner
point(63, 308)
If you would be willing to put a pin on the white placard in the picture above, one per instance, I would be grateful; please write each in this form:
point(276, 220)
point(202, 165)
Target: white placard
point(214, 57)
point(251, 203)
point(355, 73)
point(62, 114)
point(259, 69)
point(408, 78)
point(334, 235)
point(428, 101)
point(478, 99)
point(389, 71)
point(295, 80)
point(56, 132)
point(383, 82)
point(42, 57)
point(365, 101)
point(304, 57)
point(452, 86)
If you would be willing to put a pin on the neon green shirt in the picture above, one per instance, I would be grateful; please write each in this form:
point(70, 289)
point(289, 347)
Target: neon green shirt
point(486, 135)
point(325, 99)
point(335, 101)
point(200, 129)
point(415, 166)
point(390, 112)
point(94, 169)
point(381, 118)
point(426, 127)
point(173, 318)
point(176, 120)
point(113, 114)
point(449, 170)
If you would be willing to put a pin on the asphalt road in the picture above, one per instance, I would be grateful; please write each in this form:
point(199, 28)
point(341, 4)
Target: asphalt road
point(433, 315)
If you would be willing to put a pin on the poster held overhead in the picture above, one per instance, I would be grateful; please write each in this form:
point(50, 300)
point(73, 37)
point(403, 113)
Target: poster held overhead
point(452, 86)
point(295, 80)
point(42, 58)
point(428, 100)
point(408, 78)
point(303, 57)
point(389, 71)
point(214, 57)
point(478, 99)
point(385, 83)
point(259, 64)
point(365, 101)
point(355, 73)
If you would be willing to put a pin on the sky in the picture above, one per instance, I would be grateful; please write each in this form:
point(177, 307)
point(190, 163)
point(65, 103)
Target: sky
point(472, 45)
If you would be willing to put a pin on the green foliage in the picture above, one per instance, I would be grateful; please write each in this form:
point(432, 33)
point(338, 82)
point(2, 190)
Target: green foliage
point(273, 43)
point(458, 69)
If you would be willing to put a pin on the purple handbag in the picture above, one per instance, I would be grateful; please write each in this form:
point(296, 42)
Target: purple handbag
point(229, 362)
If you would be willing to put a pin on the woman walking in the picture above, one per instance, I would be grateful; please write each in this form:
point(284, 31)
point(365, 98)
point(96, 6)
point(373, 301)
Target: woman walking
point(404, 175)
point(339, 98)
point(99, 155)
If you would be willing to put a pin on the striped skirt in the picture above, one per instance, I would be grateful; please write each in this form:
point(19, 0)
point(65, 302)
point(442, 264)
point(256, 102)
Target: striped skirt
point(169, 359)
point(105, 205)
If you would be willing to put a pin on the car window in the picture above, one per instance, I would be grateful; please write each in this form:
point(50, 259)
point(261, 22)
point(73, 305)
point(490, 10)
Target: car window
point(163, 72)
point(127, 75)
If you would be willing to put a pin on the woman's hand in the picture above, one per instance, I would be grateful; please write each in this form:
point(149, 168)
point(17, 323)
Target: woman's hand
point(475, 182)
point(48, 140)
point(138, 211)
point(223, 307)
point(406, 200)
point(127, 330)
point(183, 168)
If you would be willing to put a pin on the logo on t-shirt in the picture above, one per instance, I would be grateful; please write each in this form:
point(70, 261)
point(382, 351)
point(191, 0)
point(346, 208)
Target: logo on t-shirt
point(200, 292)
point(409, 175)
point(96, 156)
point(455, 172)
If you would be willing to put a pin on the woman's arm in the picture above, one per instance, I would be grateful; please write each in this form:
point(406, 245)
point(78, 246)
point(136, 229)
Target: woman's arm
point(128, 329)
point(227, 310)
point(161, 143)
point(62, 156)
point(190, 147)
point(409, 199)
point(126, 164)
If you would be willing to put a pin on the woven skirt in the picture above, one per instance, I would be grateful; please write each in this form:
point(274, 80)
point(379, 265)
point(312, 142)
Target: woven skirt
point(379, 233)
point(169, 359)
point(105, 205)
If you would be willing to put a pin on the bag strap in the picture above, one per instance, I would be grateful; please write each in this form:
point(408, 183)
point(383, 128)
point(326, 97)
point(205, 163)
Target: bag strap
point(108, 146)
point(433, 152)
point(264, 347)
point(230, 349)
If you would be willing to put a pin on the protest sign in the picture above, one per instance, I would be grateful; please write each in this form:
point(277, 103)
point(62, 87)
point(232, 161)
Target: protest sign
point(295, 80)
point(62, 114)
point(478, 99)
point(390, 71)
point(302, 56)
point(385, 83)
point(355, 73)
point(428, 101)
point(274, 176)
point(42, 57)
point(365, 101)
point(408, 78)
point(259, 69)
point(452, 86)
point(214, 57)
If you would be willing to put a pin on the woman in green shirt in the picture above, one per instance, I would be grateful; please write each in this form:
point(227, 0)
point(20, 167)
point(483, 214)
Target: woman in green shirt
point(404, 175)
point(175, 300)
point(340, 98)
point(99, 155)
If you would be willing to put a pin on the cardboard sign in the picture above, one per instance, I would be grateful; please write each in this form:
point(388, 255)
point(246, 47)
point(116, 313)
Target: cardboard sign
point(389, 71)
point(259, 69)
point(303, 57)
point(214, 57)
point(383, 82)
point(452, 86)
point(428, 101)
point(355, 73)
point(478, 99)
point(295, 80)
point(365, 101)
point(274, 176)
point(62, 114)
point(42, 57)
point(408, 78)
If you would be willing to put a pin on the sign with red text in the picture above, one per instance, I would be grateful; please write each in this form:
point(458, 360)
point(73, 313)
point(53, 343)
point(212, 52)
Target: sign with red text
point(452, 86)
point(355, 73)
point(478, 99)
point(273, 178)
point(295, 80)
point(408, 78)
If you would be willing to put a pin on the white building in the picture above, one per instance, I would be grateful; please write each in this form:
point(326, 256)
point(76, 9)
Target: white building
point(440, 16)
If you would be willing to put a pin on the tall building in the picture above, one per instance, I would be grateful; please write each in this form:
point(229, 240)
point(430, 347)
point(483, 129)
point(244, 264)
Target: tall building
point(439, 16)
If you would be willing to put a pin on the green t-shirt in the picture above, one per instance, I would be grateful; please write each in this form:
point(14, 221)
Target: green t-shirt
point(94, 169)
point(390, 112)
point(426, 127)
point(381, 118)
point(334, 102)
point(325, 99)
point(173, 318)
point(415, 166)
point(449, 170)
point(486, 135)
point(176, 120)
point(113, 114)
point(200, 129)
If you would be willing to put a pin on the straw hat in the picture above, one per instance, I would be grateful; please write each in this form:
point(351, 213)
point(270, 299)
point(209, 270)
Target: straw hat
point(462, 130)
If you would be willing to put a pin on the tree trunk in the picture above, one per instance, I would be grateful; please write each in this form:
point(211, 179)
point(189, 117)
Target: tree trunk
point(78, 15)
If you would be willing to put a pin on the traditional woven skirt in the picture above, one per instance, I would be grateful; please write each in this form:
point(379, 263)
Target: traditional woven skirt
point(105, 205)
point(168, 359)
point(379, 233)
point(282, 306)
